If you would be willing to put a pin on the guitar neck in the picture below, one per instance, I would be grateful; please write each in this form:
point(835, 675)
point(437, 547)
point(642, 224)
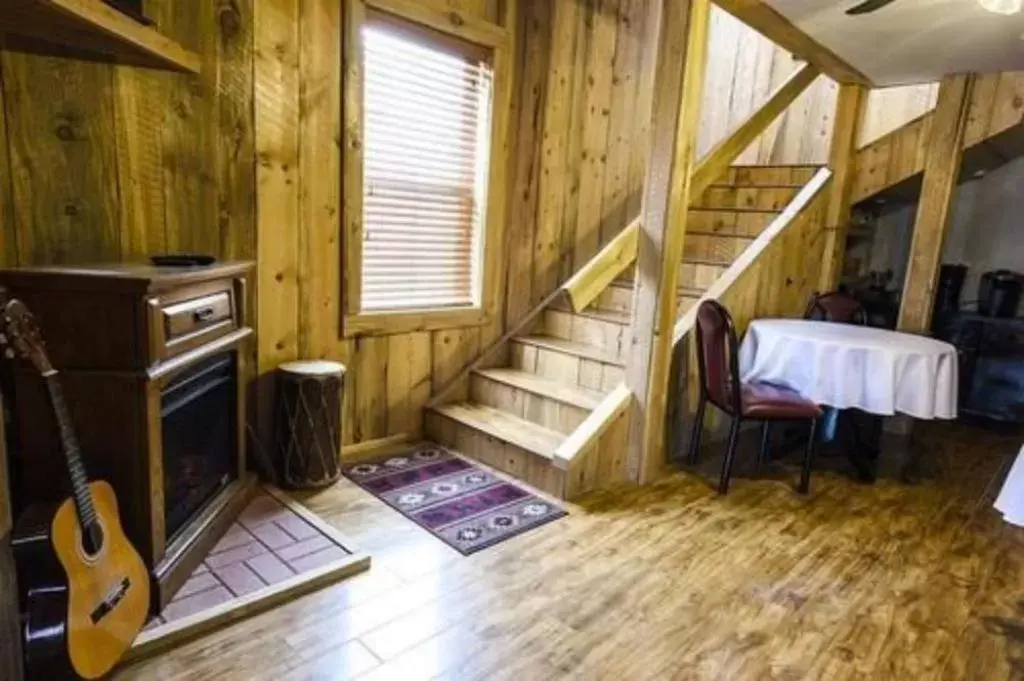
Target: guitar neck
point(69, 444)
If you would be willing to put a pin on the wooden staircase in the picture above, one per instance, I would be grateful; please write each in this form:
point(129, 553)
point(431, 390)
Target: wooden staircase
point(515, 414)
point(723, 222)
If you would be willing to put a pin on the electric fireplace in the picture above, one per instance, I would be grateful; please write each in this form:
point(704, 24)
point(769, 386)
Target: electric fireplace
point(153, 363)
point(198, 424)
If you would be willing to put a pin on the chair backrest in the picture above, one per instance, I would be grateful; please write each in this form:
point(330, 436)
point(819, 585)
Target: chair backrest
point(836, 307)
point(717, 356)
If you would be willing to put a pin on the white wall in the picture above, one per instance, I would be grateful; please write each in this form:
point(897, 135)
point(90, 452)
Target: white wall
point(986, 232)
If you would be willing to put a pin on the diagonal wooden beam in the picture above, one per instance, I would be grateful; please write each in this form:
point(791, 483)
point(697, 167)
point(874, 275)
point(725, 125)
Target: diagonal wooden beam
point(620, 252)
point(782, 32)
point(678, 30)
point(717, 161)
point(941, 170)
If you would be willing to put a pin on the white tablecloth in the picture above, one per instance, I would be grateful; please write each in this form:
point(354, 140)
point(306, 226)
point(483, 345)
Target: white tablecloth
point(1011, 500)
point(840, 365)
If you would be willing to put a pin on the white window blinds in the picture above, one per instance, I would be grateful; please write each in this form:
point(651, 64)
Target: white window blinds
point(427, 117)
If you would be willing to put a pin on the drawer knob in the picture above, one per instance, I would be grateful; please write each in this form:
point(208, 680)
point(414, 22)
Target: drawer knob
point(203, 314)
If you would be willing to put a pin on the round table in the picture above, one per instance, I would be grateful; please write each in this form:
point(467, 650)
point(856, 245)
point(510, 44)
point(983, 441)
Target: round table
point(1011, 500)
point(844, 366)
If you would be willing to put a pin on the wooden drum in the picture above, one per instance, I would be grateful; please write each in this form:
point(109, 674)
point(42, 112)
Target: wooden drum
point(309, 396)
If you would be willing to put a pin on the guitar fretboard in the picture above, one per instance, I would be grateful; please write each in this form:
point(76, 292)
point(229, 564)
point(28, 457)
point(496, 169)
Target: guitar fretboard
point(69, 443)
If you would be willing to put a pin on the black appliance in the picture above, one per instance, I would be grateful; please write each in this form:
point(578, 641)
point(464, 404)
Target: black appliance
point(951, 285)
point(991, 354)
point(999, 293)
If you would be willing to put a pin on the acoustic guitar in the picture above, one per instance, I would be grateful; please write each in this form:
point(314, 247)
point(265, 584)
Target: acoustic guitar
point(83, 585)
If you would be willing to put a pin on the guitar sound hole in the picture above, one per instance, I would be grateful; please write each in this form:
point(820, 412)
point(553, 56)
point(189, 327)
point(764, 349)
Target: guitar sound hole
point(92, 540)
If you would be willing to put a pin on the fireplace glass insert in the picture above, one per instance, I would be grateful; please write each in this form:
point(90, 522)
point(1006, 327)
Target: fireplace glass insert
point(198, 414)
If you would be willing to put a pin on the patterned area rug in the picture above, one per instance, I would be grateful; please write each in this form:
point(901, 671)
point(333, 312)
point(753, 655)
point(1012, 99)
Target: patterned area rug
point(466, 506)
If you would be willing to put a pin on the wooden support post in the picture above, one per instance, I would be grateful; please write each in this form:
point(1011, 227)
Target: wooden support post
point(850, 106)
point(941, 170)
point(679, 32)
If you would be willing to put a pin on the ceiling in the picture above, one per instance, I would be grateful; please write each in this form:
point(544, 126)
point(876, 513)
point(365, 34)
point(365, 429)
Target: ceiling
point(912, 41)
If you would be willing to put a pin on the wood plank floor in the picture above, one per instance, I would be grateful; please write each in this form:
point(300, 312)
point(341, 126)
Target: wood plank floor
point(668, 582)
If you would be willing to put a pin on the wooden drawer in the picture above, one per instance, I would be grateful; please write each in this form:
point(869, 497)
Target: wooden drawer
point(194, 316)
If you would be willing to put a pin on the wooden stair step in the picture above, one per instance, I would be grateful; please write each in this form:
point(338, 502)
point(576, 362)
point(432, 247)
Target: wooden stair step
point(612, 315)
point(747, 223)
point(569, 347)
point(545, 387)
point(505, 427)
point(723, 247)
point(711, 262)
point(791, 175)
point(604, 333)
point(759, 197)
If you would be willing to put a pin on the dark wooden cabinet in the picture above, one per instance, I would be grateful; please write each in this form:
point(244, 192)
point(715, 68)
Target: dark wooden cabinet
point(130, 342)
point(10, 633)
point(991, 351)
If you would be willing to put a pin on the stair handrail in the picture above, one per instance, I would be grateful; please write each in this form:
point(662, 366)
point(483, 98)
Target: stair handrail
point(783, 221)
point(594, 277)
point(587, 434)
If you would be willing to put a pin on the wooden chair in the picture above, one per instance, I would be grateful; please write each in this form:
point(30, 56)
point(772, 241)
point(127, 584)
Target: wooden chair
point(718, 362)
point(837, 306)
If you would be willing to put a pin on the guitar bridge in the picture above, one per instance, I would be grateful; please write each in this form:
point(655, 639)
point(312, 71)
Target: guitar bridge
point(115, 596)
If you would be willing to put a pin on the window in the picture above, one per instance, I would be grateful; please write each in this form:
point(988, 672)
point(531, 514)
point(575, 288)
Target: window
point(427, 103)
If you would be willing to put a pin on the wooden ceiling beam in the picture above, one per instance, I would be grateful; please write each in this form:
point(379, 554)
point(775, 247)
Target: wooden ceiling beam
point(780, 30)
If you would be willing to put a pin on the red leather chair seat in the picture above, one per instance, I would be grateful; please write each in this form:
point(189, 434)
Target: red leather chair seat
point(766, 401)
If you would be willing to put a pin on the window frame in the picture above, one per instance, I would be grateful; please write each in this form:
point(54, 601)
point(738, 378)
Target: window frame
point(475, 33)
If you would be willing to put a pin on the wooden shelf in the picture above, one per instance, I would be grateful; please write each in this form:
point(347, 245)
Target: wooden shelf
point(90, 29)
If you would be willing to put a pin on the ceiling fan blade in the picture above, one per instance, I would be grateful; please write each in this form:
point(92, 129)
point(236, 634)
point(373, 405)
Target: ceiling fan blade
point(868, 6)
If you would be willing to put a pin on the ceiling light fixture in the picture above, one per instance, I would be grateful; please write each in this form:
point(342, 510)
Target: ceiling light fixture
point(1002, 6)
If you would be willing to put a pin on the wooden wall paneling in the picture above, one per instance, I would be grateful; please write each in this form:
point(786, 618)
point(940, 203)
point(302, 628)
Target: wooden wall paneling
point(1009, 101)
point(941, 170)
point(278, 214)
point(368, 367)
point(8, 225)
point(352, 158)
point(236, 163)
point(715, 164)
point(890, 108)
point(234, 132)
point(532, 73)
point(680, 33)
point(576, 128)
point(139, 130)
point(766, 20)
point(743, 69)
point(320, 168)
point(189, 131)
point(597, 86)
point(502, 174)
point(554, 189)
point(408, 381)
point(60, 120)
point(617, 193)
point(997, 104)
point(452, 350)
